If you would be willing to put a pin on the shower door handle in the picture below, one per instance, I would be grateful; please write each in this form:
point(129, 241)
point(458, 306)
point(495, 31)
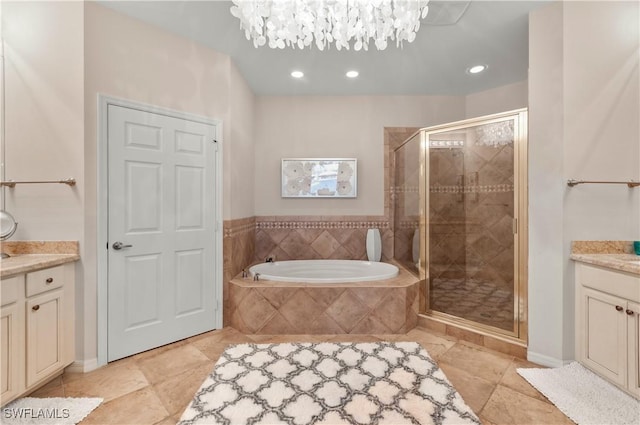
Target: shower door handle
point(119, 245)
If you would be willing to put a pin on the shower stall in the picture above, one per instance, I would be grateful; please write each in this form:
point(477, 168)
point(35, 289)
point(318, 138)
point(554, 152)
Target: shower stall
point(459, 217)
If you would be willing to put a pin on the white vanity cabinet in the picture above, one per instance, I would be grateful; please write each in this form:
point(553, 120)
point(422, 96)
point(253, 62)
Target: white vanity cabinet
point(607, 324)
point(12, 333)
point(37, 328)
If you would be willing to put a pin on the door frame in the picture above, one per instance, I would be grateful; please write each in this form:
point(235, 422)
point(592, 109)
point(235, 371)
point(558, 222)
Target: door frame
point(102, 187)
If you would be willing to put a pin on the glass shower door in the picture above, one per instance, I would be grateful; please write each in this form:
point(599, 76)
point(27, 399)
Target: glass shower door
point(472, 239)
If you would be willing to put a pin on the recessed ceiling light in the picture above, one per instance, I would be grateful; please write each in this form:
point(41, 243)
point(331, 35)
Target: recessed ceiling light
point(476, 69)
point(352, 74)
point(297, 74)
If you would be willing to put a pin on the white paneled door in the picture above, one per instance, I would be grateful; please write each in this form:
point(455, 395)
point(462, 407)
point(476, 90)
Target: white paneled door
point(161, 230)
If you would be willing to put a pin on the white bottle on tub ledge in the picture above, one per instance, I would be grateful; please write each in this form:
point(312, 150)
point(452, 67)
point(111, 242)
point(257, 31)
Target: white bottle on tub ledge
point(374, 245)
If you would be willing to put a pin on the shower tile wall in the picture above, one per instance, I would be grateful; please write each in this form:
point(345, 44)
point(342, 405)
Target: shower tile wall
point(405, 197)
point(471, 244)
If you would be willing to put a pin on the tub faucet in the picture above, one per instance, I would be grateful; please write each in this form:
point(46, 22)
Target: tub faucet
point(245, 273)
point(270, 260)
point(256, 277)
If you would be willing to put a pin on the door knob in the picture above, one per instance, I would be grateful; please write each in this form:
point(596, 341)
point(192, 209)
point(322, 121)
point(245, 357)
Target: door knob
point(119, 245)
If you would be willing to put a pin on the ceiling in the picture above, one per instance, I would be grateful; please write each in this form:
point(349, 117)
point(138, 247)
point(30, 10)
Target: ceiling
point(494, 33)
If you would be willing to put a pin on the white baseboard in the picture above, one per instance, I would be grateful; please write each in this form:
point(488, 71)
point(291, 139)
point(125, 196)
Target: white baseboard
point(543, 360)
point(83, 366)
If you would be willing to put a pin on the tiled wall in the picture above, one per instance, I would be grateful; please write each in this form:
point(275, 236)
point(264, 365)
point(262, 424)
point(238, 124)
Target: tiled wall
point(405, 198)
point(307, 238)
point(471, 213)
point(471, 240)
point(238, 247)
point(351, 309)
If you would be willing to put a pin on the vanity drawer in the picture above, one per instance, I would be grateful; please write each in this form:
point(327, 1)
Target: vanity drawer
point(11, 288)
point(617, 283)
point(44, 280)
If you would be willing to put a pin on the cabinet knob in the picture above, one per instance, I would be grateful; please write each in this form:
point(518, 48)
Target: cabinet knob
point(619, 308)
point(49, 280)
point(629, 312)
point(35, 307)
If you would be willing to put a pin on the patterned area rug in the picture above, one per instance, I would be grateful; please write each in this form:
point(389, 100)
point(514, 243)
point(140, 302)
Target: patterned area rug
point(327, 383)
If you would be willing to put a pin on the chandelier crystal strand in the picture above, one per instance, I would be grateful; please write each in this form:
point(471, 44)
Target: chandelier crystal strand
point(345, 23)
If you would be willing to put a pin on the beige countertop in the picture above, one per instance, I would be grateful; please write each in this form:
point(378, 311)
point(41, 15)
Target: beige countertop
point(629, 263)
point(616, 255)
point(28, 256)
point(24, 263)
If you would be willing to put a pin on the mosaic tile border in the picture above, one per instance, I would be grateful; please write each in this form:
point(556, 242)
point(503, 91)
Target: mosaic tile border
point(322, 225)
point(504, 188)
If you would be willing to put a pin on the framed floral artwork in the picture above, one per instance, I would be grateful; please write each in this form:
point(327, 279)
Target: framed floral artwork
point(319, 177)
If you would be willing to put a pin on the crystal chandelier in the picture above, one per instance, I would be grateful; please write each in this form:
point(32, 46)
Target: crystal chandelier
point(495, 134)
point(299, 23)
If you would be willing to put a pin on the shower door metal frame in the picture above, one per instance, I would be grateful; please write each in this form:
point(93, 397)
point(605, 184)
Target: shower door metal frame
point(519, 330)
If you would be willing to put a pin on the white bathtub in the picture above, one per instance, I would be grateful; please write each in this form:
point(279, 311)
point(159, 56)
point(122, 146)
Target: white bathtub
point(324, 271)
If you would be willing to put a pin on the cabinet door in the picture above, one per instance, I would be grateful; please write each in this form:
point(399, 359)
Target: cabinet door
point(605, 339)
point(633, 330)
point(11, 352)
point(45, 337)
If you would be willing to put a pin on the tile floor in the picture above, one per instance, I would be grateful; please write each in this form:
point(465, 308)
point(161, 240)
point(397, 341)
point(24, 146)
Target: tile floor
point(154, 387)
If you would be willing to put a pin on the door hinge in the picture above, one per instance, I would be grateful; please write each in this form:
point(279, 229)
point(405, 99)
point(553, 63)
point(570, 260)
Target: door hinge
point(215, 143)
point(515, 226)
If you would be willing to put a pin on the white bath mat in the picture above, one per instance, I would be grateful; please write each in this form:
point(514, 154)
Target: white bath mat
point(327, 383)
point(48, 411)
point(583, 396)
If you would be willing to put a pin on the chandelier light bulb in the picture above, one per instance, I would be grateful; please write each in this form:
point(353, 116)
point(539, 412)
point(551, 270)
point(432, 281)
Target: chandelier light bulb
point(352, 74)
point(297, 74)
point(345, 23)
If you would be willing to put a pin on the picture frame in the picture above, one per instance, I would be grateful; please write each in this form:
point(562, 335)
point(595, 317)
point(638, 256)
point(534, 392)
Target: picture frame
point(319, 178)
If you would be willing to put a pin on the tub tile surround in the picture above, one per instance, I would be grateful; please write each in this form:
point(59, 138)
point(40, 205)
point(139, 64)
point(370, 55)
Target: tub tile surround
point(380, 307)
point(617, 255)
point(238, 247)
point(312, 238)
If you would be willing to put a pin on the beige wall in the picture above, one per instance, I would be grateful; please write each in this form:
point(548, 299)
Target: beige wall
point(44, 117)
point(546, 185)
point(60, 56)
point(601, 128)
point(501, 99)
point(331, 126)
point(240, 167)
point(583, 123)
point(44, 123)
point(128, 59)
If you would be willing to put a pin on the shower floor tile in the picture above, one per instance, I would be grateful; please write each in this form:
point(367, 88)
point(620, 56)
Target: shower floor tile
point(472, 299)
